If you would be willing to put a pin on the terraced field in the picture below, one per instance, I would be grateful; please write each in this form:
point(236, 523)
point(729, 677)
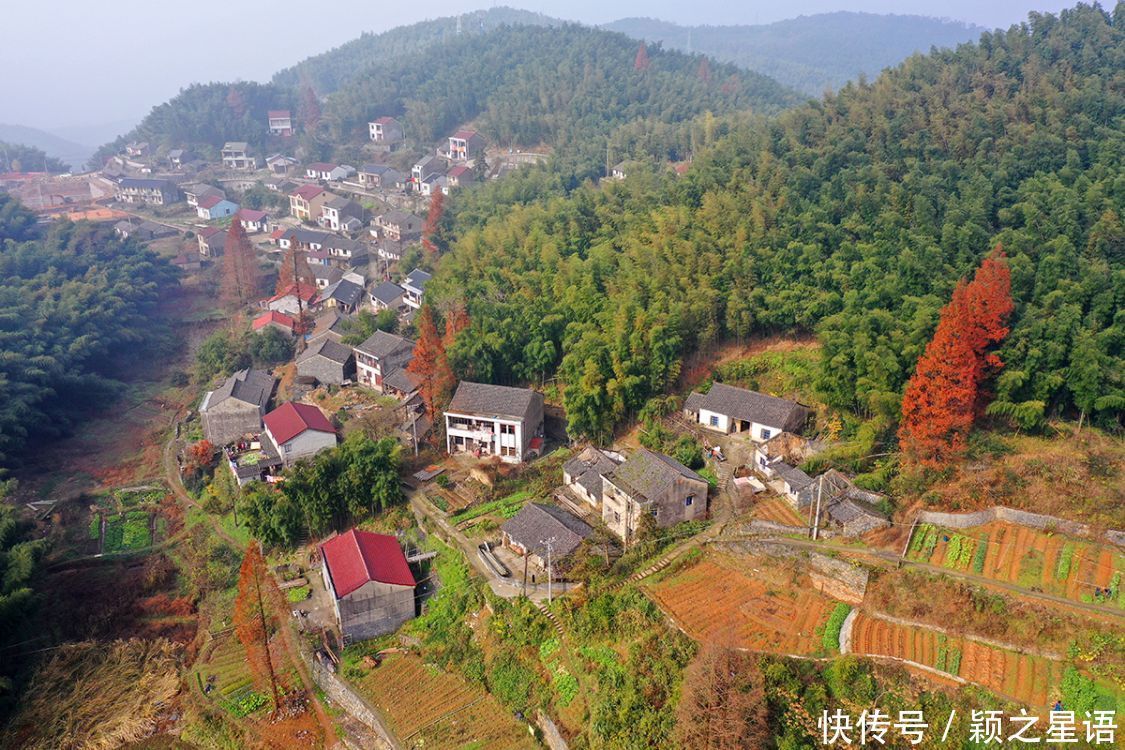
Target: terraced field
point(411, 695)
point(226, 677)
point(716, 600)
point(1060, 565)
point(778, 510)
point(1030, 679)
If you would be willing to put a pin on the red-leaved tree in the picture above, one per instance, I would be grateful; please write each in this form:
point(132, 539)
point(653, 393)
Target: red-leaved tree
point(433, 219)
point(430, 363)
point(946, 393)
point(641, 62)
point(240, 274)
point(256, 611)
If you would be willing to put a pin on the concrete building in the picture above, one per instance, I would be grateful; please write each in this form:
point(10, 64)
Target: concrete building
point(298, 430)
point(494, 420)
point(235, 409)
point(370, 583)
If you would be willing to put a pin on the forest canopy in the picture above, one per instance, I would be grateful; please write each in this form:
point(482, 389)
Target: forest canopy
point(72, 304)
point(852, 217)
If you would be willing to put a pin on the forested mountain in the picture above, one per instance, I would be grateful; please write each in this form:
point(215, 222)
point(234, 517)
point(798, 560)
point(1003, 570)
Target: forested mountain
point(72, 304)
point(67, 152)
point(17, 157)
point(852, 217)
point(569, 87)
point(331, 70)
point(208, 115)
point(810, 54)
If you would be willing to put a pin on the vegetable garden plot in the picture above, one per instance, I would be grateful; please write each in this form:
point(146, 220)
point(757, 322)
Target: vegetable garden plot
point(778, 510)
point(1030, 679)
point(712, 601)
point(1053, 563)
point(411, 694)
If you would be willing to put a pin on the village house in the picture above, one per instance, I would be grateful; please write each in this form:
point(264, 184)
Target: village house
point(389, 251)
point(402, 384)
point(652, 484)
point(234, 410)
point(338, 213)
point(381, 177)
point(344, 295)
point(387, 295)
point(423, 169)
point(298, 430)
point(582, 475)
point(194, 192)
point(253, 220)
point(344, 249)
point(211, 241)
point(325, 276)
point(728, 409)
point(331, 323)
point(379, 355)
point(458, 175)
point(213, 207)
point(370, 584)
point(398, 226)
point(432, 183)
point(465, 145)
point(294, 300)
point(177, 157)
point(843, 505)
point(414, 286)
point(154, 192)
point(306, 201)
point(280, 122)
point(236, 155)
point(324, 171)
point(327, 360)
point(137, 149)
point(386, 131)
point(187, 262)
point(542, 531)
point(620, 171)
point(494, 420)
point(144, 231)
point(302, 238)
point(273, 319)
point(281, 165)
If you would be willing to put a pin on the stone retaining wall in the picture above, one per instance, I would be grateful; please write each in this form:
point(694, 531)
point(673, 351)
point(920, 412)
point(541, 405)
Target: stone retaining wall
point(838, 578)
point(551, 734)
point(348, 700)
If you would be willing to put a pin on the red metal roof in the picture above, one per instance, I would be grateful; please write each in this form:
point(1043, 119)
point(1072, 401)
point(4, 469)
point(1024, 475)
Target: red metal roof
point(291, 419)
point(457, 171)
point(465, 134)
point(320, 166)
point(385, 120)
point(251, 214)
point(308, 291)
point(211, 201)
point(273, 316)
point(278, 113)
point(209, 232)
point(308, 192)
point(358, 557)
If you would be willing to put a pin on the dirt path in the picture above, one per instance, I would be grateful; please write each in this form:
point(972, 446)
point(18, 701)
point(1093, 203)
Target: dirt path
point(172, 476)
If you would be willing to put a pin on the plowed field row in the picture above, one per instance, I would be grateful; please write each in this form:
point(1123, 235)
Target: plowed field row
point(411, 695)
point(715, 602)
point(1030, 679)
point(1053, 563)
point(778, 510)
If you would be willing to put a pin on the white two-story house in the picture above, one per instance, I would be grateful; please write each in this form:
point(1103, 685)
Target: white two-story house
point(494, 420)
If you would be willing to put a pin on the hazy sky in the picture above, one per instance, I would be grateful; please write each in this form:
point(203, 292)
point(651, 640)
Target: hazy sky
point(70, 63)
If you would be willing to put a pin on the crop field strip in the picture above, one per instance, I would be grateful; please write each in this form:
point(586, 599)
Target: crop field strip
point(411, 695)
point(1024, 677)
point(711, 601)
point(778, 510)
point(1056, 564)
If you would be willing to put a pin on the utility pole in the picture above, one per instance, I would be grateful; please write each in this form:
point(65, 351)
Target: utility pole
point(549, 575)
point(525, 556)
point(816, 523)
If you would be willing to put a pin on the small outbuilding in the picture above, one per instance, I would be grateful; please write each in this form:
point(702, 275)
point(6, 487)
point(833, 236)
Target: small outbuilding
point(370, 583)
point(538, 527)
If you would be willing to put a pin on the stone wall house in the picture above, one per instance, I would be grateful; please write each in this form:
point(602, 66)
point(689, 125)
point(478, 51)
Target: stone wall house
point(854, 511)
point(582, 475)
point(327, 360)
point(235, 409)
point(370, 583)
point(653, 484)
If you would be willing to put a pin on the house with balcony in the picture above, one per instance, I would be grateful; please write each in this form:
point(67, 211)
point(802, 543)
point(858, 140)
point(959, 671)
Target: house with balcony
point(236, 155)
point(494, 420)
point(340, 214)
point(280, 122)
point(465, 144)
point(154, 192)
point(380, 355)
point(306, 201)
point(386, 131)
point(414, 287)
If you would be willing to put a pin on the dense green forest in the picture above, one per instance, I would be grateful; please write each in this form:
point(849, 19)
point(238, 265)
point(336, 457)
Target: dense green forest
point(332, 70)
point(852, 217)
point(206, 116)
point(73, 305)
point(569, 87)
point(811, 54)
point(16, 157)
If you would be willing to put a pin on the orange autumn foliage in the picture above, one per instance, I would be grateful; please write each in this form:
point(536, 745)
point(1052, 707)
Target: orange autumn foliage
point(946, 393)
point(256, 611)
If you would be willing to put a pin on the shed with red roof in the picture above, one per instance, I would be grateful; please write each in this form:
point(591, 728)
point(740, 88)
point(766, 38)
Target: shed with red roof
point(298, 430)
point(370, 582)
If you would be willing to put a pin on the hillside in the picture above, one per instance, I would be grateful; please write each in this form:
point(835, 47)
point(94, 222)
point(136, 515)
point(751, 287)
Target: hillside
point(811, 54)
point(852, 217)
point(331, 70)
point(68, 152)
point(568, 87)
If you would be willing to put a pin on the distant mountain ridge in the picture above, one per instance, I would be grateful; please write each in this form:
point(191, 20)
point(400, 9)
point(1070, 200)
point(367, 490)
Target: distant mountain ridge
point(809, 53)
point(69, 152)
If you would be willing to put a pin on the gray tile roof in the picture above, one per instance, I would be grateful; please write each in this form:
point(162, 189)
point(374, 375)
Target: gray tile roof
point(417, 279)
point(402, 379)
point(387, 292)
point(693, 401)
point(646, 474)
point(588, 468)
point(331, 323)
point(383, 345)
point(482, 399)
point(329, 348)
point(344, 291)
point(249, 386)
point(752, 406)
point(796, 478)
point(536, 523)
